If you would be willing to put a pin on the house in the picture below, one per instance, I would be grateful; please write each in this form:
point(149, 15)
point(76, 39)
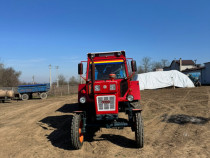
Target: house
point(180, 65)
point(188, 67)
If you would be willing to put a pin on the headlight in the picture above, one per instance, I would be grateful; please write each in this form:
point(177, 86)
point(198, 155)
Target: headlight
point(130, 98)
point(97, 88)
point(82, 100)
point(112, 87)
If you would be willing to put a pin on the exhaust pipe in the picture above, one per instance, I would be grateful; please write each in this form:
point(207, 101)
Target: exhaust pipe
point(92, 74)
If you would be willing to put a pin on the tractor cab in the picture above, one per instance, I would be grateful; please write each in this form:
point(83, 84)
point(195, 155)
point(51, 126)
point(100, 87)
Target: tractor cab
point(108, 82)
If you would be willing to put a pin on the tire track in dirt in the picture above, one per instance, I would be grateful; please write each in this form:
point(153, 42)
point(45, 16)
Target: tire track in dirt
point(26, 107)
point(168, 107)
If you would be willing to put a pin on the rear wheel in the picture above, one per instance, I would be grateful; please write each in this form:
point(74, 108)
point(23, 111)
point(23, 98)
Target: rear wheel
point(43, 95)
point(25, 97)
point(139, 131)
point(77, 137)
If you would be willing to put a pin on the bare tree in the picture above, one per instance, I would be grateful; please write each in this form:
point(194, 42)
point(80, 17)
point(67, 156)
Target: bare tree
point(140, 69)
point(164, 63)
point(8, 76)
point(73, 80)
point(146, 64)
point(156, 65)
point(62, 79)
point(1, 72)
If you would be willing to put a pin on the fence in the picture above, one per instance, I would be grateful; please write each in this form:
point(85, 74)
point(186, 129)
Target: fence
point(63, 90)
point(54, 90)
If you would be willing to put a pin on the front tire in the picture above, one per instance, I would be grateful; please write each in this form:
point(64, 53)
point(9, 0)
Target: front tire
point(77, 137)
point(139, 131)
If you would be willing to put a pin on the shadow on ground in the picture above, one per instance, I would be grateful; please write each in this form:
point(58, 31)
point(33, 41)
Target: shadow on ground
point(119, 140)
point(60, 127)
point(61, 130)
point(182, 119)
point(68, 108)
point(5, 102)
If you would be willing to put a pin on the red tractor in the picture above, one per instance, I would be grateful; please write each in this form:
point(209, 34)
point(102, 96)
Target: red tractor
point(108, 90)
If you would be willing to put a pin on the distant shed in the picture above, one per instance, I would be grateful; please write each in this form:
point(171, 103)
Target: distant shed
point(205, 74)
point(180, 65)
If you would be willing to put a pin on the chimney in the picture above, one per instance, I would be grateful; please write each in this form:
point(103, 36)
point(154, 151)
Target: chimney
point(180, 64)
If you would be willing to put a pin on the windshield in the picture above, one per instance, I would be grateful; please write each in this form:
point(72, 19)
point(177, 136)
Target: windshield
point(102, 70)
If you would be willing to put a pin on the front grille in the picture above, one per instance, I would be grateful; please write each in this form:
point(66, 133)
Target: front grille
point(106, 103)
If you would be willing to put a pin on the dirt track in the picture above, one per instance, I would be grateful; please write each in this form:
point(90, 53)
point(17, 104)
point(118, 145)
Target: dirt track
point(176, 124)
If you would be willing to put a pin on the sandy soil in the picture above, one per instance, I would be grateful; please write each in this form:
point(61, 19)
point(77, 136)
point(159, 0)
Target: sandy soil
point(176, 124)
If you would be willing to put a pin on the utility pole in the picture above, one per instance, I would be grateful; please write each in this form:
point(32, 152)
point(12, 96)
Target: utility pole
point(57, 75)
point(50, 66)
point(33, 79)
point(68, 85)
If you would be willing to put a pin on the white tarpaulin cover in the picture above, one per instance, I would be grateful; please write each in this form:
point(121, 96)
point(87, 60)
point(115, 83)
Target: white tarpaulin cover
point(161, 79)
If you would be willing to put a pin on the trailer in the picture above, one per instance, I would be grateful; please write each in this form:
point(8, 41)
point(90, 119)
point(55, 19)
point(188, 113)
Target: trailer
point(26, 91)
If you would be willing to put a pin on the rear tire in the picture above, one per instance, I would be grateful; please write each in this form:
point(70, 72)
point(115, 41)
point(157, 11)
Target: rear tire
point(139, 131)
point(77, 137)
point(43, 95)
point(25, 97)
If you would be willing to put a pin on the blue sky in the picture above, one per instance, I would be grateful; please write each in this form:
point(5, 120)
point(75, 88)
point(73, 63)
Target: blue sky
point(36, 33)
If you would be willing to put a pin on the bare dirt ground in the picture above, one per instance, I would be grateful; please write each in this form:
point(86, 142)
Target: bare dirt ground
point(176, 124)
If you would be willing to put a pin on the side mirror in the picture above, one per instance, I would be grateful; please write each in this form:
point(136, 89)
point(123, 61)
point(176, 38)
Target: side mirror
point(133, 65)
point(80, 68)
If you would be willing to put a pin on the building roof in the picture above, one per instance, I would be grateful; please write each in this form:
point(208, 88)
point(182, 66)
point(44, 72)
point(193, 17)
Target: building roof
point(185, 62)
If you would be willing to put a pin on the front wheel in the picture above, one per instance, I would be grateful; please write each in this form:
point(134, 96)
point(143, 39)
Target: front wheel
point(139, 131)
point(77, 137)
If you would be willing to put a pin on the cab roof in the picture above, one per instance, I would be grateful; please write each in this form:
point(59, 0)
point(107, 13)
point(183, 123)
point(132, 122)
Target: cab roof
point(104, 54)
